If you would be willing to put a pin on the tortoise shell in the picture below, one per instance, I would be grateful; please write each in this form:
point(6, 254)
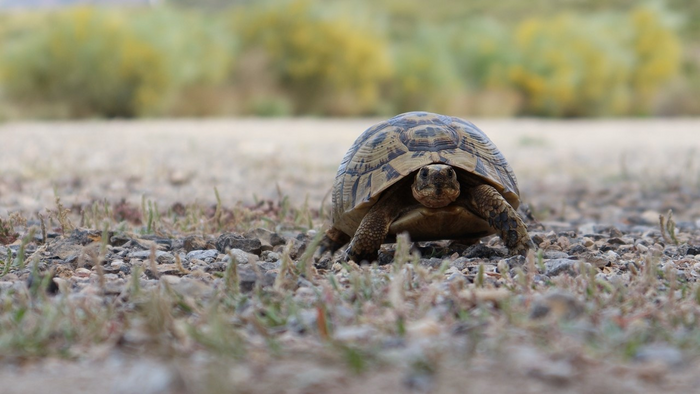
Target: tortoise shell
point(389, 151)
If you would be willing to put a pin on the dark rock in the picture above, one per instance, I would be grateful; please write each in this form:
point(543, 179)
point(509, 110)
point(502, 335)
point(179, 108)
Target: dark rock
point(119, 240)
point(673, 251)
point(606, 248)
point(689, 250)
point(86, 237)
point(386, 257)
point(578, 249)
point(39, 237)
point(430, 249)
point(248, 277)
point(38, 280)
point(481, 251)
point(235, 241)
point(276, 239)
point(298, 247)
point(324, 262)
point(194, 242)
point(458, 247)
point(615, 232)
point(266, 236)
point(642, 242)
point(537, 239)
point(149, 274)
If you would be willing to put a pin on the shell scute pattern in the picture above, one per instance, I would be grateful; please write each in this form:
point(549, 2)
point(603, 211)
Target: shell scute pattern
point(387, 152)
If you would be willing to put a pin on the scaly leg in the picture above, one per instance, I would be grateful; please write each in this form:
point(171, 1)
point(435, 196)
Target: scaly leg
point(488, 203)
point(373, 230)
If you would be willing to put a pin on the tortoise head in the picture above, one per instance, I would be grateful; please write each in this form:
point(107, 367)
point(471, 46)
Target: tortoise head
point(435, 185)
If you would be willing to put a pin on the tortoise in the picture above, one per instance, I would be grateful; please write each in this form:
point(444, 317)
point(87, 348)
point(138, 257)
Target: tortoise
point(434, 176)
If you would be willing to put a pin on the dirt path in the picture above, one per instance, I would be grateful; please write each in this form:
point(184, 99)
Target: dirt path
point(171, 161)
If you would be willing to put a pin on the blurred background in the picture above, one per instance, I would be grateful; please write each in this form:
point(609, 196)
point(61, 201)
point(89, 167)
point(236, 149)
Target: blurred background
point(62, 59)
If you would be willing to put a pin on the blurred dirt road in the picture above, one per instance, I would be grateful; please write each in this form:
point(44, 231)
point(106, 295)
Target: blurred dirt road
point(184, 160)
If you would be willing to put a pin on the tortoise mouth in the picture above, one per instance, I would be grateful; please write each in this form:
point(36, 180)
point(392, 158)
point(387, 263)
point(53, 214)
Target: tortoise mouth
point(435, 196)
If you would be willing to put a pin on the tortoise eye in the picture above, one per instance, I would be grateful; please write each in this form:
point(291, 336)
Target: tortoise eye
point(450, 172)
point(424, 173)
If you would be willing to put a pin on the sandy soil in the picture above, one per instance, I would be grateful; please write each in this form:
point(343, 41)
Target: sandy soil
point(171, 161)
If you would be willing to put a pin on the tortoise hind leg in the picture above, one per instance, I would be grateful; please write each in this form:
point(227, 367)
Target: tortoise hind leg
point(333, 240)
point(488, 203)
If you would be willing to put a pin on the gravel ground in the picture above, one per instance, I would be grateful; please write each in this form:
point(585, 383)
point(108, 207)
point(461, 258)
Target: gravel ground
point(595, 188)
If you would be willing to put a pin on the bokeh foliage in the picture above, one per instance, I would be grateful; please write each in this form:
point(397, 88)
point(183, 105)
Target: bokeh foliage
point(287, 57)
point(326, 63)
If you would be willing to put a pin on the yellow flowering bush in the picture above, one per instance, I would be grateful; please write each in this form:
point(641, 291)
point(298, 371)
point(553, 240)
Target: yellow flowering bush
point(578, 66)
point(327, 63)
point(657, 54)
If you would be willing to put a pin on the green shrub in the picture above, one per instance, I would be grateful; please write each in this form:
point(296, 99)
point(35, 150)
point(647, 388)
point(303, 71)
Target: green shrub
point(328, 64)
point(199, 52)
point(89, 61)
point(197, 48)
point(657, 54)
point(425, 75)
point(285, 57)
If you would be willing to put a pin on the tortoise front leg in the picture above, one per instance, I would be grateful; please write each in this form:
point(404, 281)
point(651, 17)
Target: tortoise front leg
point(372, 231)
point(488, 203)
